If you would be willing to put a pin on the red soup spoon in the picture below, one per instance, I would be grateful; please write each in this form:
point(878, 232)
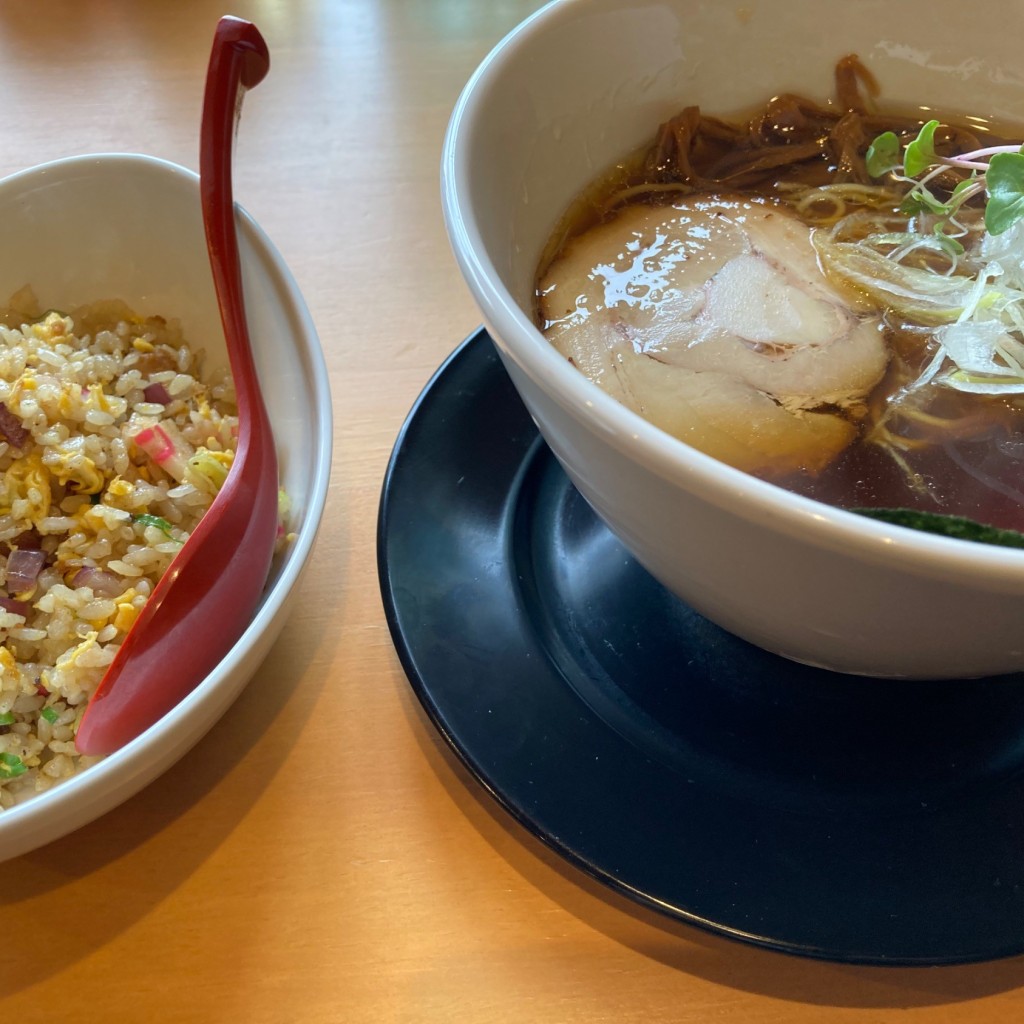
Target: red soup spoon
point(209, 593)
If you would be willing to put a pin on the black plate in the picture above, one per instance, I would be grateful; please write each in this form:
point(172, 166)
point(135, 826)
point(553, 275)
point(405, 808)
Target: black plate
point(831, 816)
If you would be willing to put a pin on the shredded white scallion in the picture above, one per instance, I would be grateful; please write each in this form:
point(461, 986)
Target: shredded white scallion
point(975, 300)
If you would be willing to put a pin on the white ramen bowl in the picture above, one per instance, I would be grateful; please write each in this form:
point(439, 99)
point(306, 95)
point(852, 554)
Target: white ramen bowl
point(579, 86)
point(130, 227)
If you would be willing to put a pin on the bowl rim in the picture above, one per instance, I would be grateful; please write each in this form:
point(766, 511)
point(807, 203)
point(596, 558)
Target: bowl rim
point(119, 775)
point(734, 490)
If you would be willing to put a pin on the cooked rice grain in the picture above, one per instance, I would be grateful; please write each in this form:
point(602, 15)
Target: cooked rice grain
point(109, 518)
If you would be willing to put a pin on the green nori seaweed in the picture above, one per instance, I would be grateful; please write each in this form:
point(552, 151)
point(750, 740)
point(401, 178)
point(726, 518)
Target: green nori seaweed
point(948, 526)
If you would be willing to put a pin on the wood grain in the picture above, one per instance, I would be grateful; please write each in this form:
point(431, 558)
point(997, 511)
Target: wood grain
point(320, 857)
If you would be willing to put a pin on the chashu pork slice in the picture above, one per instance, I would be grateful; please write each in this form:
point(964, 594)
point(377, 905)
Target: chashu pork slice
point(712, 319)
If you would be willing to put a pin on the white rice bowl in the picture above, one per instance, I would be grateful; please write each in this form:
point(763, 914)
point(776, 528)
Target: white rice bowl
point(75, 232)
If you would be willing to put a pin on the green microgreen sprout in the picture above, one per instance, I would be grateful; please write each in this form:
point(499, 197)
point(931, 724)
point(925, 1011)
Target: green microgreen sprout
point(995, 170)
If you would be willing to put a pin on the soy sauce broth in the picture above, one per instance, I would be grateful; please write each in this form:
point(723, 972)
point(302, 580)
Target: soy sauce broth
point(960, 454)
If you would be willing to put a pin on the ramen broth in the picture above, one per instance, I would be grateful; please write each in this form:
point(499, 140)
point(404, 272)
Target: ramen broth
point(706, 284)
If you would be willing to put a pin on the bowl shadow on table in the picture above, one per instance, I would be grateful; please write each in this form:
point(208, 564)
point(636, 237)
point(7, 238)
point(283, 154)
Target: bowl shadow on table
point(688, 948)
point(105, 907)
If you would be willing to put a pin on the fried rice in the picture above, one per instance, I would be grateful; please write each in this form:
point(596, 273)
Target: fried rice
point(113, 443)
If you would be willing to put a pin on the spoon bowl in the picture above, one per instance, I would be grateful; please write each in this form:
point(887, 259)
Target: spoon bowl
point(206, 598)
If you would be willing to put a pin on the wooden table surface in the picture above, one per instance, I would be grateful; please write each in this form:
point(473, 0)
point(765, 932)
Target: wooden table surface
point(320, 856)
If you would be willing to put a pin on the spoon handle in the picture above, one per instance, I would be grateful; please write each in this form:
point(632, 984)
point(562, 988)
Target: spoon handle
point(239, 61)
